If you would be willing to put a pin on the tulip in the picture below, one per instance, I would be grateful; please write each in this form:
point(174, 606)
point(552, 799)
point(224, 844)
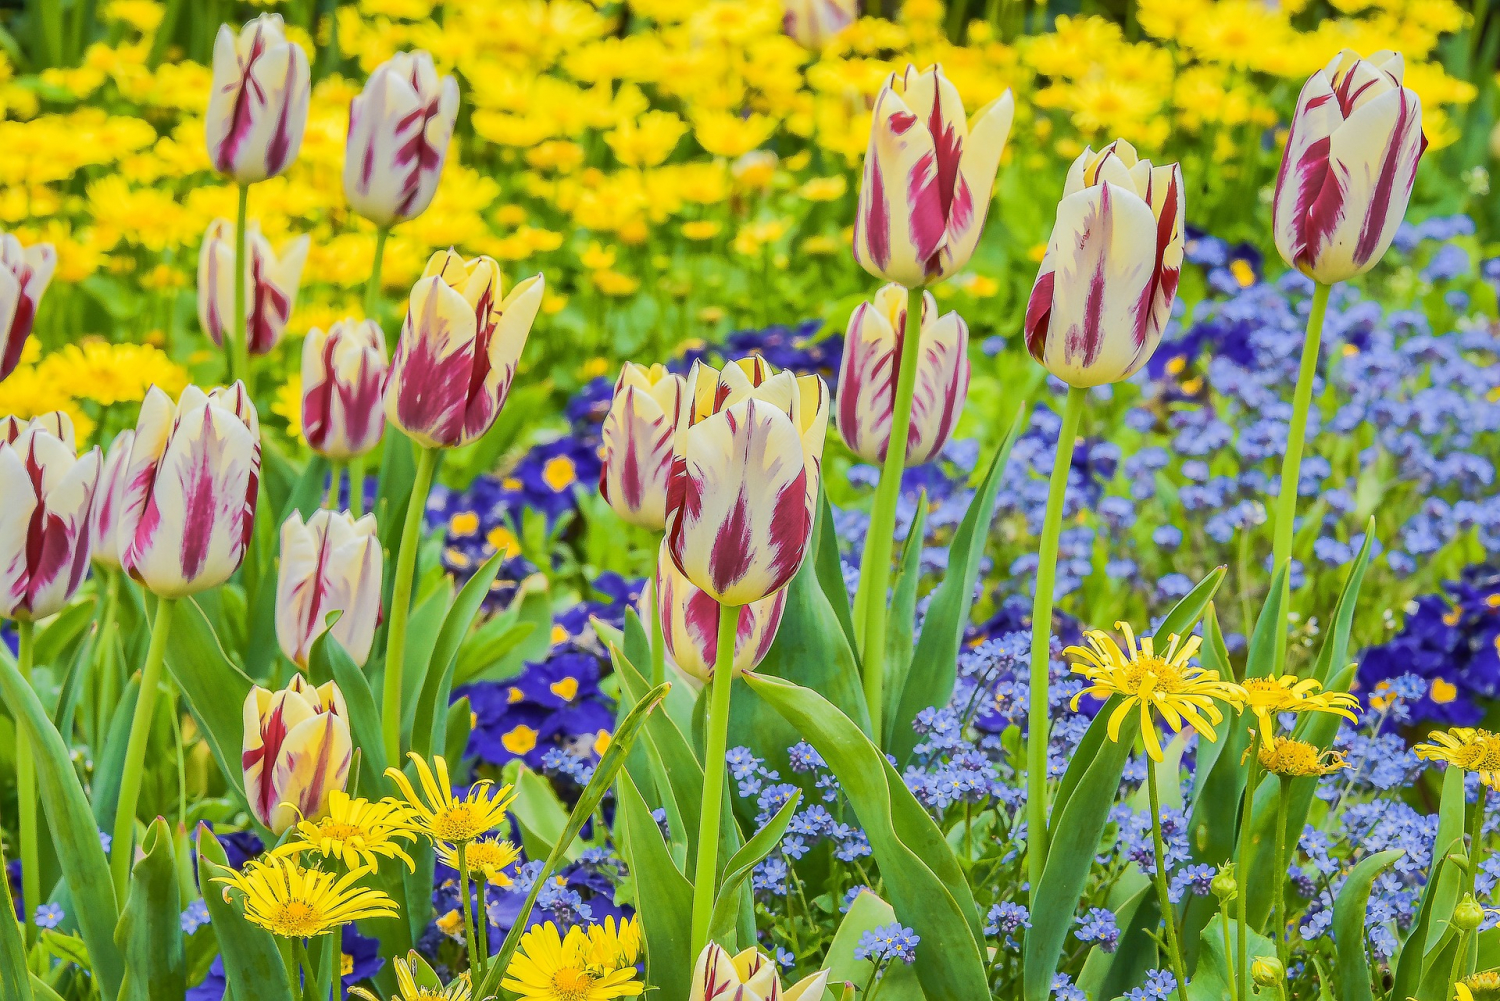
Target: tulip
point(56, 423)
point(927, 180)
point(296, 751)
point(1109, 274)
point(1350, 161)
point(271, 282)
point(258, 106)
point(331, 563)
point(190, 490)
point(749, 975)
point(399, 127)
point(869, 372)
point(814, 23)
point(24, 275)
point(638, 435)
point(343, 383)
point(44, 539)
point(104, 518)
point(458, 349)
point(690, 623)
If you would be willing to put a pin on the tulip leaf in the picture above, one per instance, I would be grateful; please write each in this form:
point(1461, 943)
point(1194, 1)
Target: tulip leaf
point(430, 722)
point(252, 963)
point(214, 688)
point(109, 765)
point(721, 927)
point(329, 660)
point(1334, 654)
point(830, 568)
point(934, 663)
point(664, 897)
point(922, 876)
point(540, 813)
point(1440, 893)
point(899, 643)
point(14, 982)
point(73, 831)
point(867, 912)
point(398, 474)
point(1349, 924)
point(1186, 613)
point(610, 763)
point(150, 930)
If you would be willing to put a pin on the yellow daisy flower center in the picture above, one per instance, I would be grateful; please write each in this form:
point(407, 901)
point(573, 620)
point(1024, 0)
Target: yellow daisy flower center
point(1152, 672)
point(296, 919)
point(572, 985)
point(457, 823)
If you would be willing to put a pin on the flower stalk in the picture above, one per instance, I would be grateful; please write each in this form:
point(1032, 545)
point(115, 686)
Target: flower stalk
point(1246, 823)
point(236, 348)
point(1163, 895)
point(706, 874)
point(26, 819)
point(372, 286)
point(122, 848)
point(406, 563)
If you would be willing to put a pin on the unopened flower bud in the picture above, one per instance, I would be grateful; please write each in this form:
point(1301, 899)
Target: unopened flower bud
point(1468, 915)
point(1224, 885)
point(1267, 971)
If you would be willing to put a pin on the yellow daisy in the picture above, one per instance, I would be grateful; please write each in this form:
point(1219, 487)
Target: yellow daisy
point(1285, 756)
point(445, 817)
point(1267, 697)
point(610, 946)
point(1178, 691)
point(548, 967)
point(288, 900)
point(408, 990)
point(487, 859)
point(355, 832)
point(1478, 987)
point(1470, 748)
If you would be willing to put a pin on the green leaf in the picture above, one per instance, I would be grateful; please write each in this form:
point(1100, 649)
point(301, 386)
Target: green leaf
point(74, 835)
point(1440, 893)
point(1260, 657)
point(934, 664)
point(252, 963)
point(437, 684)
point(1334, 655)
point(610, 763)
point(664, 897)
point(1186, 613)
point(866, 913)
point(214, 688)
point(150, 930)
point(329, 659)
point(541, 814)
point(1210, 981)
point(829, 569)
point(13, 978)
point(737, 870)
point(922, 876)
point(1349, 924)
point(899, 625)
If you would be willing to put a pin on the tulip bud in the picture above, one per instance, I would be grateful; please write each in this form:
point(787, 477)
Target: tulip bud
point(690, 622)
point(745, 464)
point(868, 375)
point(399, 127)
point(1107, 281)
point(750, 975)
point(271, 284)
point(814, 23)
point(458, 350)
point(343, 385)
point(638, 443)
point(927, 180)
point(109, 498)
point(330, 564)
point(46, 490)
point(1349, 165)
point(190, 489)
point(258, 106)
point(1267, 971)
point(297, 751)
point(24, 275)
point(54, 422)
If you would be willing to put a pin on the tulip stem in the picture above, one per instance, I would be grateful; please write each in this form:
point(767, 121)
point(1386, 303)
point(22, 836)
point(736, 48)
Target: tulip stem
point(31, 874)
point(372, 287)
point(237, 354)
point(357, 486)
point(1037, 717)
point(406, 564)
point(875, 570)
point(105, 667)
point(658, 640)
point(1163, 895)
point(335, 473)
point(122, 848)
point(1291, 462)
point(706, 874)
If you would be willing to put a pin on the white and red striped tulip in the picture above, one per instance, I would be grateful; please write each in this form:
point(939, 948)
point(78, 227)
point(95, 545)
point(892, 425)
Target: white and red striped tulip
point(25, 273)
point(1350, 162)
point(399, 127)
point(1107, 281)
point(745, 464)
point(271, 283)
point(46, 490)
point(55, 422)
point(296, 751)
point(638, 433)
point(929, 172)
point(190, 490)
point(109, 500)
point(330, 563)
point(815, 23)
point(258, 106)
point(868, 374)
point(690, 622)
point(343, 388)
point(458, 350)
point(749, 975)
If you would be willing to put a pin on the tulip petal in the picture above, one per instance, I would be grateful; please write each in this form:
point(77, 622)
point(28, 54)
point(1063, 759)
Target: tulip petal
point(900, 223)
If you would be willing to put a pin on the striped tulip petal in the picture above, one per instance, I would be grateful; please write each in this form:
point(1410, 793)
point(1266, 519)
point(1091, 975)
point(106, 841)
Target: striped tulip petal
point(690, 622)
point(399, 128)
point(343, 388)
point(271, 284)
point(296, 751)
point(47, 492)
point(104, 517)
point(814, 23)
point(330, 563)
point(25, 273)
point(638, 433)
point(257, 109)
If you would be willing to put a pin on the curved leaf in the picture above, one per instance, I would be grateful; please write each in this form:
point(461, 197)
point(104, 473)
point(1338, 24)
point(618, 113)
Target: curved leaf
point(737, 870)
point(214, 688)
point(428, 726)
point(13, 978)
point(252, 964)
point(664, 897)
point(150, 930)
point(329, 659)
point(1349, 924)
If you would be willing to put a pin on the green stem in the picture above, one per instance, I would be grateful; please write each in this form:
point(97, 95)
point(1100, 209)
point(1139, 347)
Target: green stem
point(875, 570)
point(406, 563)
point(706, 874)
point(482, 923)
point(372, 287)
point(1243, 867)
point(181, 760)
point(328, 978)
point(1283, 947)
point(1168, 912)
point(31, 873)
point(122, 849)
point(104, 659)
point(236, 351)
point(471, 941)
point(1037, 720)
point(658, 641)
point(1291, 462)
point(1460, 962)
point(1476, 858)
point(1234, 993)
point(287, 947)
point(357, 486)
point(335, 473)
